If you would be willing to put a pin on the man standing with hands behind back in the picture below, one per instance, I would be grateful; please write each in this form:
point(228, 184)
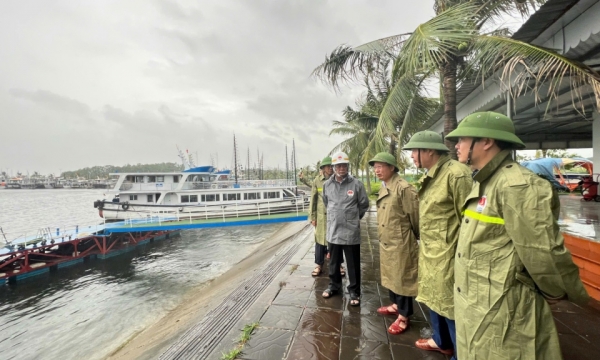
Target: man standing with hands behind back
point(347, 202)
point(510, 258)
point(443, 191)
point(398, 230)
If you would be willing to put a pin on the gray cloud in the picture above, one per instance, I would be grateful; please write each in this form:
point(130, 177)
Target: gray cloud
point(124, 82)
point(53, 101)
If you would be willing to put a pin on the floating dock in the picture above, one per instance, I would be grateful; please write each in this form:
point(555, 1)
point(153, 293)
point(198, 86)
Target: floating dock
point(51, 249)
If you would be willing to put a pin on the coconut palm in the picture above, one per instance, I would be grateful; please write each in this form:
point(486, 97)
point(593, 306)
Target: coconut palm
point(460, 43)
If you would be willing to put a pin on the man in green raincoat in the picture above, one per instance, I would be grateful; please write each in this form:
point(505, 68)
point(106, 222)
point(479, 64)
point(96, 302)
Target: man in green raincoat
point(318, 214)
point(510, 259)
point(398, 230)
point(443, 191)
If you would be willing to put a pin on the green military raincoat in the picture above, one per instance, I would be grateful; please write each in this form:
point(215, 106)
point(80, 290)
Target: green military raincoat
point(398, 229)
point(509, 252)
point(443, 192)
point(318, 211)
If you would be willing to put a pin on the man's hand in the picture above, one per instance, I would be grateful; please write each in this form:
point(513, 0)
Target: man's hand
point(314, 223)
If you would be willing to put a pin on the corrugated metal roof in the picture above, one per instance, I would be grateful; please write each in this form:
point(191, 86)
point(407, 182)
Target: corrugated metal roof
point(546, 15)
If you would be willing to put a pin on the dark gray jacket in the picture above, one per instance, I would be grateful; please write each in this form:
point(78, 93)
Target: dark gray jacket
point(346, 203)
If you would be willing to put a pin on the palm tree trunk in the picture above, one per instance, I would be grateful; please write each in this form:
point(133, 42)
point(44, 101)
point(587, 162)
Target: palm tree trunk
point(448, 72)
point(393, 146)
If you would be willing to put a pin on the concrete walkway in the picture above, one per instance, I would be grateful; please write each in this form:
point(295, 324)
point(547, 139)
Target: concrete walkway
point(295, 322)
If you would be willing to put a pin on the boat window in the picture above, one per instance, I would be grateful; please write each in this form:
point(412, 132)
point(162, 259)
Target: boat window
point(193, 198)
point(150, 198)
point(213, 178)
point(271, 195)
point(175, 179)
point(185, 198)
point(152, 179)
point(132, 197)
point(230, 197)
point(160, 179)
point(211, 197)
point(251, 196)
point(223, 177)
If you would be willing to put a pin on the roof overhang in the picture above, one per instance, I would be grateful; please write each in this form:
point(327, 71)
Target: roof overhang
point(572, 27)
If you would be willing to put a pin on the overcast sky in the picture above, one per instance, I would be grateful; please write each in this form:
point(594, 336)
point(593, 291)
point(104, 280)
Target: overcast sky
point(86, 83)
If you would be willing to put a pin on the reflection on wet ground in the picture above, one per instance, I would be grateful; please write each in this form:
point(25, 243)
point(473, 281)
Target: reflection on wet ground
point(580, 218)
point(300, 324)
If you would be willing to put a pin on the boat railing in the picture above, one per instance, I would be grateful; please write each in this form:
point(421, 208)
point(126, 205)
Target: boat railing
point(172, 216)
point(129, 186)
point(243, 184)
point(191, 214)
point(47, 235)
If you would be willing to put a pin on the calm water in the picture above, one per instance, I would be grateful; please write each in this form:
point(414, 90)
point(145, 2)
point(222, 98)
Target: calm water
point(88, 310)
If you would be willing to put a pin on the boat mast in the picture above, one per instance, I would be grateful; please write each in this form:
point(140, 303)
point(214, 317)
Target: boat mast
point(287, 168)
point(294, 163)
point(235, 174)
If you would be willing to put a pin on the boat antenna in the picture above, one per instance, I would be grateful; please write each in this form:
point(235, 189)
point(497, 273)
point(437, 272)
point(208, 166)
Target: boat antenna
point(287, 168)
point(248, 165)
point(294, 164)
point(235, 174)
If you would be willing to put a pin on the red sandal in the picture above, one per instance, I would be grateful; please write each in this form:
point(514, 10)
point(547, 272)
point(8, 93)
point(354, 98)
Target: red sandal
point(385, 310)
point(423, 344)
point(395, 328)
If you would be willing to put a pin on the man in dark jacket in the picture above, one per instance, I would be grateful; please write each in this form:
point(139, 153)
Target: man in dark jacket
point(347, 202)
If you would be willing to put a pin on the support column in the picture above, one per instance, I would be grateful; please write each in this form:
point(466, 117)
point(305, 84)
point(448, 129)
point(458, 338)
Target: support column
point(596, 142)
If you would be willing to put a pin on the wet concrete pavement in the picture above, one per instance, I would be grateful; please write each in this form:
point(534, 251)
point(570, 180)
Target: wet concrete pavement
point(299, 324)
point(580, 218)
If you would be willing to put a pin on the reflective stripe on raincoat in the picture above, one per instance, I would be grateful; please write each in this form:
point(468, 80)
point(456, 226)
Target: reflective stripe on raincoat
point(346, 203)
point(509, 251)
point(398, 229)
point(443, 192)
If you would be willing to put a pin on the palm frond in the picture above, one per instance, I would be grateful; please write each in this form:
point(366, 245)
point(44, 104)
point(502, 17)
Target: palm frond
point(346, 64)
point(527, 68)
point(437, 41)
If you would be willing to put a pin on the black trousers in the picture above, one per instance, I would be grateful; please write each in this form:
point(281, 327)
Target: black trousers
point(320, 252)
point(404, 303)
point(352, 253)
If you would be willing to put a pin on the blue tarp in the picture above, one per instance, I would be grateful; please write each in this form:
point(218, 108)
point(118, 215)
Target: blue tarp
point(545, 167)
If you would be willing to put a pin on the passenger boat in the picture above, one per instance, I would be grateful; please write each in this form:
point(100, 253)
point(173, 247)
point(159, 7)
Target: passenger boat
point(198, 193)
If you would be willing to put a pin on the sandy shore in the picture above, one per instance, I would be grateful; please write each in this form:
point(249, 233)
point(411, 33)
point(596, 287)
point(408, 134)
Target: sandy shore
point(156, 338)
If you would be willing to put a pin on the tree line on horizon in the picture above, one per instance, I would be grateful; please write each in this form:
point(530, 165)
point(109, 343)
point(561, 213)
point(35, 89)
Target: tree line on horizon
point(102, 172)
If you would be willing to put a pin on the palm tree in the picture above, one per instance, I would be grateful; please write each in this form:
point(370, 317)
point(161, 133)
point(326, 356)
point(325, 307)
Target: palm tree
point(458, 44)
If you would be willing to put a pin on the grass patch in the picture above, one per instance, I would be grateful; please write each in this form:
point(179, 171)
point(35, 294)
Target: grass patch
point(244, 338)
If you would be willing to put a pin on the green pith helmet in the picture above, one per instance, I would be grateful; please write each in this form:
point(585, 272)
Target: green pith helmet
point(384, 157)
point(488, 125)
point(426, 140)
point(326, 161)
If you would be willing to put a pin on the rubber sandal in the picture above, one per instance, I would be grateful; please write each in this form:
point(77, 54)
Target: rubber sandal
point(316, 271)
point(354, 300)
point(395, 328)
point(342, 271)
point(423, 344)
point(330, 292)
point(385, 310)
